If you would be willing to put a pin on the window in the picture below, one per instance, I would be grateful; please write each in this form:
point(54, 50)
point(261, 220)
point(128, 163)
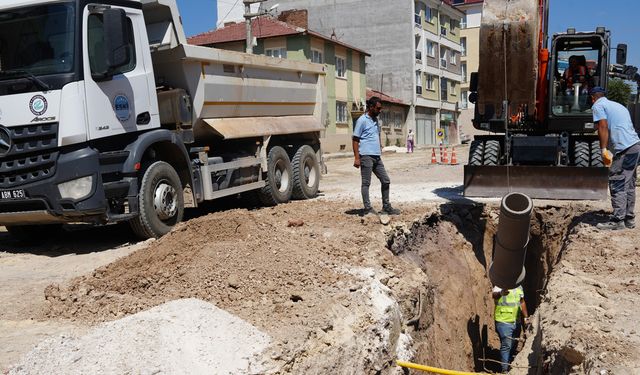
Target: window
point(444, 93)
point(316, 57)
point(444, 21)
point(341, 112)
point(443, 57)
point(95, 41)
point(428, 14)
point(463, 44)
point(397, 120)
point(430, 80)
point(464, 101)
point(463, 22)
point(453, 88)
point(452, 57)
point(418, 78)
point(340, 67)
point(276, 52)
point(384, 119)
point(431, 48)
point(464, 72)
point(39, 39)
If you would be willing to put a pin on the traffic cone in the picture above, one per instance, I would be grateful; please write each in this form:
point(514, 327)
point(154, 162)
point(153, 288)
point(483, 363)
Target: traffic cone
point(433, 156)
point(445, 160)
point(454, 159)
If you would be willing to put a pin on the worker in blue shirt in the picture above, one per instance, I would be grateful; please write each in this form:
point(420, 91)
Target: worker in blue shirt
point(367, 150)
point(617, 134)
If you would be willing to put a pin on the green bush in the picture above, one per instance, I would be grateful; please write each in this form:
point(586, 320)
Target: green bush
point(619, 91)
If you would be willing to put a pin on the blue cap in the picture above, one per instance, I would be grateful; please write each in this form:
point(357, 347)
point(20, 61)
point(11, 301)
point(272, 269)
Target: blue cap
point(597, 89)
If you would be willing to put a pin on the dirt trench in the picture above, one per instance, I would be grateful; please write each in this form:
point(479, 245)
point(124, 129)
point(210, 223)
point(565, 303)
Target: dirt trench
point(454, 328)
point(339, 294)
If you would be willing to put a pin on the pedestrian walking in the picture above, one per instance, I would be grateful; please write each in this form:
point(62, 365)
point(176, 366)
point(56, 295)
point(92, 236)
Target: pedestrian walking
point(621, 153)
point(367, 151)
point(510, 307)
point(410, 140)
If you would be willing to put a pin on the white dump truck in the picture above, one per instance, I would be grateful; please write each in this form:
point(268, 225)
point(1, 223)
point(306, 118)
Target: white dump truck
point(108, 115)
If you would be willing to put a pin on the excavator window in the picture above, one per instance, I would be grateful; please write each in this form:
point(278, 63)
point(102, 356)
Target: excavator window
point(575, 73)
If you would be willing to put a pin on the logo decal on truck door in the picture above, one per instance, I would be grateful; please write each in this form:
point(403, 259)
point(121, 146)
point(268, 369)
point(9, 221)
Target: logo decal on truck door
point(121, 106)
point(38, 105)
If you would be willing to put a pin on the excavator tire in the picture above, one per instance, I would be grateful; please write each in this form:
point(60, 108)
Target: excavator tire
point(491, 152)
point(596, 155)
point(582, 156)
point(476, 152)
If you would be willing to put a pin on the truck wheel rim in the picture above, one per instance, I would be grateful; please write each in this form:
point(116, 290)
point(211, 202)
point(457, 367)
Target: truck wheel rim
point(282, 177)
point(164, 201)
point(310, 174)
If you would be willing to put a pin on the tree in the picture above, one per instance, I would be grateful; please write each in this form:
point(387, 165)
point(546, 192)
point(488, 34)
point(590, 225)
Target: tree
point(619, 91)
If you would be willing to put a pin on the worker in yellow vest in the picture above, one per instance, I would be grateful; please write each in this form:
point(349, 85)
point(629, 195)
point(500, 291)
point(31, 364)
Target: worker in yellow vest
point(510, 307)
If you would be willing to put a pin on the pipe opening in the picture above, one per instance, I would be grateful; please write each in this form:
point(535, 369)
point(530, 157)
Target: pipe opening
point(517, 203)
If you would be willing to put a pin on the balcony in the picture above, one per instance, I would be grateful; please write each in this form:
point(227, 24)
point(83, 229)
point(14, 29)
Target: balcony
point(419, 90)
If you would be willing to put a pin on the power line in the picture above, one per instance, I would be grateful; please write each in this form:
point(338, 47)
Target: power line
point(227, 15)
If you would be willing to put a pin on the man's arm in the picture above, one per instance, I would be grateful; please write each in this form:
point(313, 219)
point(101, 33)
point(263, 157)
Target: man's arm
point(603, 133)
point(525, 313)
point(355, 142)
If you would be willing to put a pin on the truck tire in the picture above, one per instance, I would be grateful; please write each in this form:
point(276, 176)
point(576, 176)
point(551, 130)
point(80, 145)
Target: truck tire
point(476, 152)
point(596, 155)
point(160, 201)
point(582, 156)
point(279, 186)
point(306, 173)
point(34, 234)
point(491, 152)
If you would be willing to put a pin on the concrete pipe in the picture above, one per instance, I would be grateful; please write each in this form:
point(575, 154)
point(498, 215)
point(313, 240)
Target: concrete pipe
point(510, 244)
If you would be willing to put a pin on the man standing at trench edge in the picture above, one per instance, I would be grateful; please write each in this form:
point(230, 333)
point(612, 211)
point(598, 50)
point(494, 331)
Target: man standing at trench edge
point(509, 304)
point(616, 132)
point(367, 151)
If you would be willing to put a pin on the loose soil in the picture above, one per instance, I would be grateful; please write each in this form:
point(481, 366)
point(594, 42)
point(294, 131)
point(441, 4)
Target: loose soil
point(338, 293)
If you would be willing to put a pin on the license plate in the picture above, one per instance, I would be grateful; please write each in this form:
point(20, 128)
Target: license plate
point(12, 194)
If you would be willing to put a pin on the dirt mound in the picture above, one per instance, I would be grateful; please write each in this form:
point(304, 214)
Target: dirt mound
point(317, 288)
point(589, 315)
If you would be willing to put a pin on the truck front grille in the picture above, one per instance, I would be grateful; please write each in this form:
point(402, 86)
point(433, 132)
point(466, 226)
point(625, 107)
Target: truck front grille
point(32, 156)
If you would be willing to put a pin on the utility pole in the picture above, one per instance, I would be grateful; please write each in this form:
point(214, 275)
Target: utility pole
point(248, 16)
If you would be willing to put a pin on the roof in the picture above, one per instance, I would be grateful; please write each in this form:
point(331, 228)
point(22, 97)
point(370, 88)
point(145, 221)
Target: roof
point(261, 28)
point(385, 98)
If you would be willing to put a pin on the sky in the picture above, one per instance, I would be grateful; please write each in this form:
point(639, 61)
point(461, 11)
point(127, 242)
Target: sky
point(619, 16)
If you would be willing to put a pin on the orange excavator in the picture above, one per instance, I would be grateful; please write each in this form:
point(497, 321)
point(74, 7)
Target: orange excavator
point(532, 97)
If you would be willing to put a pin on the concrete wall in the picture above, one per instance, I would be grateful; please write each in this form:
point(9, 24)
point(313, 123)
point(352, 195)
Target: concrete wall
point(381, 27)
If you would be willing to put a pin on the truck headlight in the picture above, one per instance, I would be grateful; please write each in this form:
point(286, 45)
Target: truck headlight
point(76, 189)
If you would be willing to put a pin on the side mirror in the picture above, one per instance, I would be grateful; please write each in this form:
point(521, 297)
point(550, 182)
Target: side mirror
point(473, 82)
point(621, 54)
point(116, 38)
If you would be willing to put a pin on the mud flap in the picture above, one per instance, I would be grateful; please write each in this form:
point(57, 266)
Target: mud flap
point(540, 182)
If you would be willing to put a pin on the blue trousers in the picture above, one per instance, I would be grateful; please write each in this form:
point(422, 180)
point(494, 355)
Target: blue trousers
point(508, 333)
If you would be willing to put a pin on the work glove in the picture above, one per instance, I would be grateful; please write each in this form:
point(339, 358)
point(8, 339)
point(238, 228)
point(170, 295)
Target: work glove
point(607, 157)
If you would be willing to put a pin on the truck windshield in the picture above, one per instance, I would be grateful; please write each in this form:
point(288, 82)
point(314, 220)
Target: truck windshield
point(36, 40)
point(576, 72)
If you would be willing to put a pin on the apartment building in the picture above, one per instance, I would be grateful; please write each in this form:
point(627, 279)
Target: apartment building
point(415, 48)
point(470, 42)
point(288, 37)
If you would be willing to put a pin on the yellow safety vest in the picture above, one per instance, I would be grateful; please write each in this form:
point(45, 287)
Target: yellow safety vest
point(508, 307)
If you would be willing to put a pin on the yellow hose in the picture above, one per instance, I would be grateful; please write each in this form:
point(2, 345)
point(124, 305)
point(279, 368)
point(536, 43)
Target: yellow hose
point(436, 370)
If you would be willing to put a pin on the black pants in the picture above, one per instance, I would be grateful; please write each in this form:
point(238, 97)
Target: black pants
point(374, 164)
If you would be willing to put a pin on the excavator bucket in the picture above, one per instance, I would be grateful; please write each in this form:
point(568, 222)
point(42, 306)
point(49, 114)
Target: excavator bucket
point(509, 37)
point(542, 182)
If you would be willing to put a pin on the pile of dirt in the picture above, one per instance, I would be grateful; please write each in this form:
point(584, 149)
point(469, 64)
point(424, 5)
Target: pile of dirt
point(589, 315)
point(319, 289)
